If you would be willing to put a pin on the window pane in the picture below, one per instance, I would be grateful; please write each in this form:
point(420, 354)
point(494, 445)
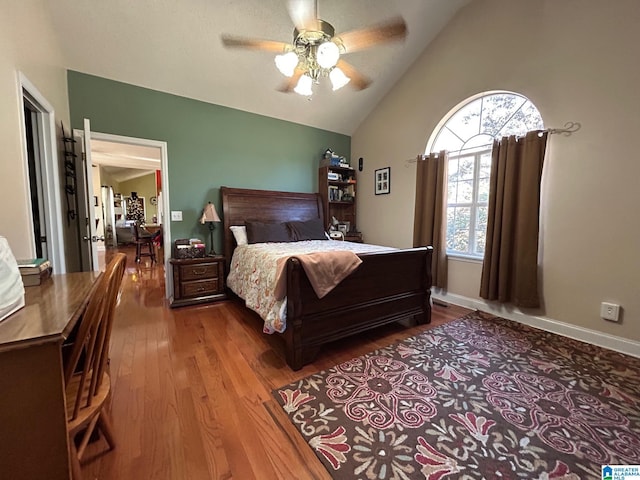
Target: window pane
point(465, 192)
point(478, 141)
point(462, 219)
point(496, 111)
point(533, 120)
point(451, 192)
point(481, 240)
point(466, 122)
point(452, 170)
point(485, 165)
point(466, 168)
point(517, 125)
point(447, 141)
point(450, 227)
point(483, 190)
point(481, 229)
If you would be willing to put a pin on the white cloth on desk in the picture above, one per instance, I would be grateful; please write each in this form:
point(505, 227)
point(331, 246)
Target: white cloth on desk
point(11, 287)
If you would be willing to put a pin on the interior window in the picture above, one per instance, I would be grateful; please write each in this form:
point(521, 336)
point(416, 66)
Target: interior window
point(467, 133)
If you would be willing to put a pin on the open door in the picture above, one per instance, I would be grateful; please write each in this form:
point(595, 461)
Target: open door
point(86, 210)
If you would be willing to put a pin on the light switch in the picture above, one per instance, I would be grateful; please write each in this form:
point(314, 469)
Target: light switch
point(176, 215)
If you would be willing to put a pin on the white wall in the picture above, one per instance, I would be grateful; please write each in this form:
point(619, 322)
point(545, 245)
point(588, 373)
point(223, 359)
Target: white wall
point(27, 44)
point(577, 60)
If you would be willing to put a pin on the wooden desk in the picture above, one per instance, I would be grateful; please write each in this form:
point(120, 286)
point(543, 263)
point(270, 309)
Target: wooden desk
point(33, 425)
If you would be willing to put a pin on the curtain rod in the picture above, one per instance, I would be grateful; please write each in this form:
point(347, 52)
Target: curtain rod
point(568, 129)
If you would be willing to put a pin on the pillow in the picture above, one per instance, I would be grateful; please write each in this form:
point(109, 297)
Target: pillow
point(258, 232)
point(240, 234)
point(309, 230)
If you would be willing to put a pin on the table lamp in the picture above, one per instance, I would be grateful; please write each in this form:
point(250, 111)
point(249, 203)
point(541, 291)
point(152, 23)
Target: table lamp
point(209, 215)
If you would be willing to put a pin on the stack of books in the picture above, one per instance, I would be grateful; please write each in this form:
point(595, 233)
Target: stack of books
point(34, 271)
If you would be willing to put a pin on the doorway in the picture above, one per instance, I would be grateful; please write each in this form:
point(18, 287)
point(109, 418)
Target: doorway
point(123, 196)
point(43, 191)
point(120, 162)
point(34, 157)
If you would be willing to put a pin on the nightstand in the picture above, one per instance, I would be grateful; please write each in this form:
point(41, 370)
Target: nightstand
point(353, 237)
point(198, 280)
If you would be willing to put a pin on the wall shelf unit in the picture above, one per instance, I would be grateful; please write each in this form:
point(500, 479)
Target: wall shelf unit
point(337, 187)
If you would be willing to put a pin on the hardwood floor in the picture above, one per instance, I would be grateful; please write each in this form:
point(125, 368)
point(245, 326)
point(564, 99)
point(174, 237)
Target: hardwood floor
point(192, 389)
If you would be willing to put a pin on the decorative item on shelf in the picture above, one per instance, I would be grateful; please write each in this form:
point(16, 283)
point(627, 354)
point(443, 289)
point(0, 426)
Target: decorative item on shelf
point(210, 216)
point(382, 180)
point(69, 174)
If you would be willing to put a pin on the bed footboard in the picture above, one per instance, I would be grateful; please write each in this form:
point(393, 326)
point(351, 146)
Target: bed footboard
point(387, 287)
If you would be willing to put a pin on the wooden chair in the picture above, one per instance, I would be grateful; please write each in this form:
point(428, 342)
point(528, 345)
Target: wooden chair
point(143, 241)
point(87, 388)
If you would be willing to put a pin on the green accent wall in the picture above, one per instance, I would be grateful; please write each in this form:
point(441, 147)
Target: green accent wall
point(208, 145)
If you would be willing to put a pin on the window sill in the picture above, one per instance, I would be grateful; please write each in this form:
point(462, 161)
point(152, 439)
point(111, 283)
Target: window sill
point(464, 258)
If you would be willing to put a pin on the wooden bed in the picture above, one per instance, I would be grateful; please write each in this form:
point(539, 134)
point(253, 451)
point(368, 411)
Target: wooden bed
point(387, 287)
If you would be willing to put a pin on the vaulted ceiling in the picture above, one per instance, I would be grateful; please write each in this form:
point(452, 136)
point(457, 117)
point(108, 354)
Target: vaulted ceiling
point(174, 46)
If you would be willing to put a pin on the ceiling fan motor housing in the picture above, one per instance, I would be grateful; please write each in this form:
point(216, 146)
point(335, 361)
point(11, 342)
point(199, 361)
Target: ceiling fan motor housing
point(306, 43)
point(323, 33)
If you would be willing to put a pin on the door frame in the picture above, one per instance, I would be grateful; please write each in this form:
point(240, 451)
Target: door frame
point(164, 174)
point(53, 214)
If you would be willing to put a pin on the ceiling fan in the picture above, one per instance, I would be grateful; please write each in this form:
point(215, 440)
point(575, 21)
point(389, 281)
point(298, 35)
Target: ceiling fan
point(316, 49)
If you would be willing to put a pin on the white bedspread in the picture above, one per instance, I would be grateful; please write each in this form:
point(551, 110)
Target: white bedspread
point(252, 274)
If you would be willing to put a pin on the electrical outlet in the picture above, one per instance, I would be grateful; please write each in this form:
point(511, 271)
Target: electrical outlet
point(610, 311)
point(176, 215)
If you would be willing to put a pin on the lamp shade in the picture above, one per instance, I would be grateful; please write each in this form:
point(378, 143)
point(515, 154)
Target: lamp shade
point(304, 86)
point(328, 54)
point(209, 214)
point(338, 78)
point(287, 63)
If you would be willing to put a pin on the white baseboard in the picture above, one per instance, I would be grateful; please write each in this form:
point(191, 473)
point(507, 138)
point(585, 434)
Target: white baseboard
point(587, 335)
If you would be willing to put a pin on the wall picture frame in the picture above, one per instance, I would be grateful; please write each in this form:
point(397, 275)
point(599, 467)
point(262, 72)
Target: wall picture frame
point(382, 178)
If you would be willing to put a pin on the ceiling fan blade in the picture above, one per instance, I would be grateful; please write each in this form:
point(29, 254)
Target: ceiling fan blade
point(291, 82)
point(358, 81)
point(394, 29)
point(303, 14)
point(254, 44)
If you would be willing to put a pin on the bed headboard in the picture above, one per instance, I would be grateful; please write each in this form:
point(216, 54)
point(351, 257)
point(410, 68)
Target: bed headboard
point(240, 205)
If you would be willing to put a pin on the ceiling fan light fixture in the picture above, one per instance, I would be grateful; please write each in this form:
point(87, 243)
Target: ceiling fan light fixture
point(304, 86)
point(338, 79)
point(328, 54)
point(287, 63)
point(316, 51)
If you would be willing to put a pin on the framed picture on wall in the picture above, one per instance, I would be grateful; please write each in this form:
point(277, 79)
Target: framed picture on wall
point(382, 181)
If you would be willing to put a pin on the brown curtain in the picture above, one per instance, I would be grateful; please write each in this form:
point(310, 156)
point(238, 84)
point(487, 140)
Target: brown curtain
point(429, 223)
point(510, 267)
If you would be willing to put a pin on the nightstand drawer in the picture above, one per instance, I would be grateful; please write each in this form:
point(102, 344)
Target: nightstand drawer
point(198, 271)
point(200, 288)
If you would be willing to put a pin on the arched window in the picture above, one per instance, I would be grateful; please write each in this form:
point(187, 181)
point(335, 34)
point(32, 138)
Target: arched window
point(467, 133)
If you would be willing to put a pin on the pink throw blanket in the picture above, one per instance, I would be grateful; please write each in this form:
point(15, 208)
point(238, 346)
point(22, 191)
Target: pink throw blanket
point(324, 270)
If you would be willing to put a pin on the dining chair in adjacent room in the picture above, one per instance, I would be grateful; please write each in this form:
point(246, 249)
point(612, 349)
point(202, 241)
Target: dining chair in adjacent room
point(87, 381)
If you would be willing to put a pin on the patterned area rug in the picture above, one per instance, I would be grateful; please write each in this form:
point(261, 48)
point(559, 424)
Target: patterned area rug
point(479, 397)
